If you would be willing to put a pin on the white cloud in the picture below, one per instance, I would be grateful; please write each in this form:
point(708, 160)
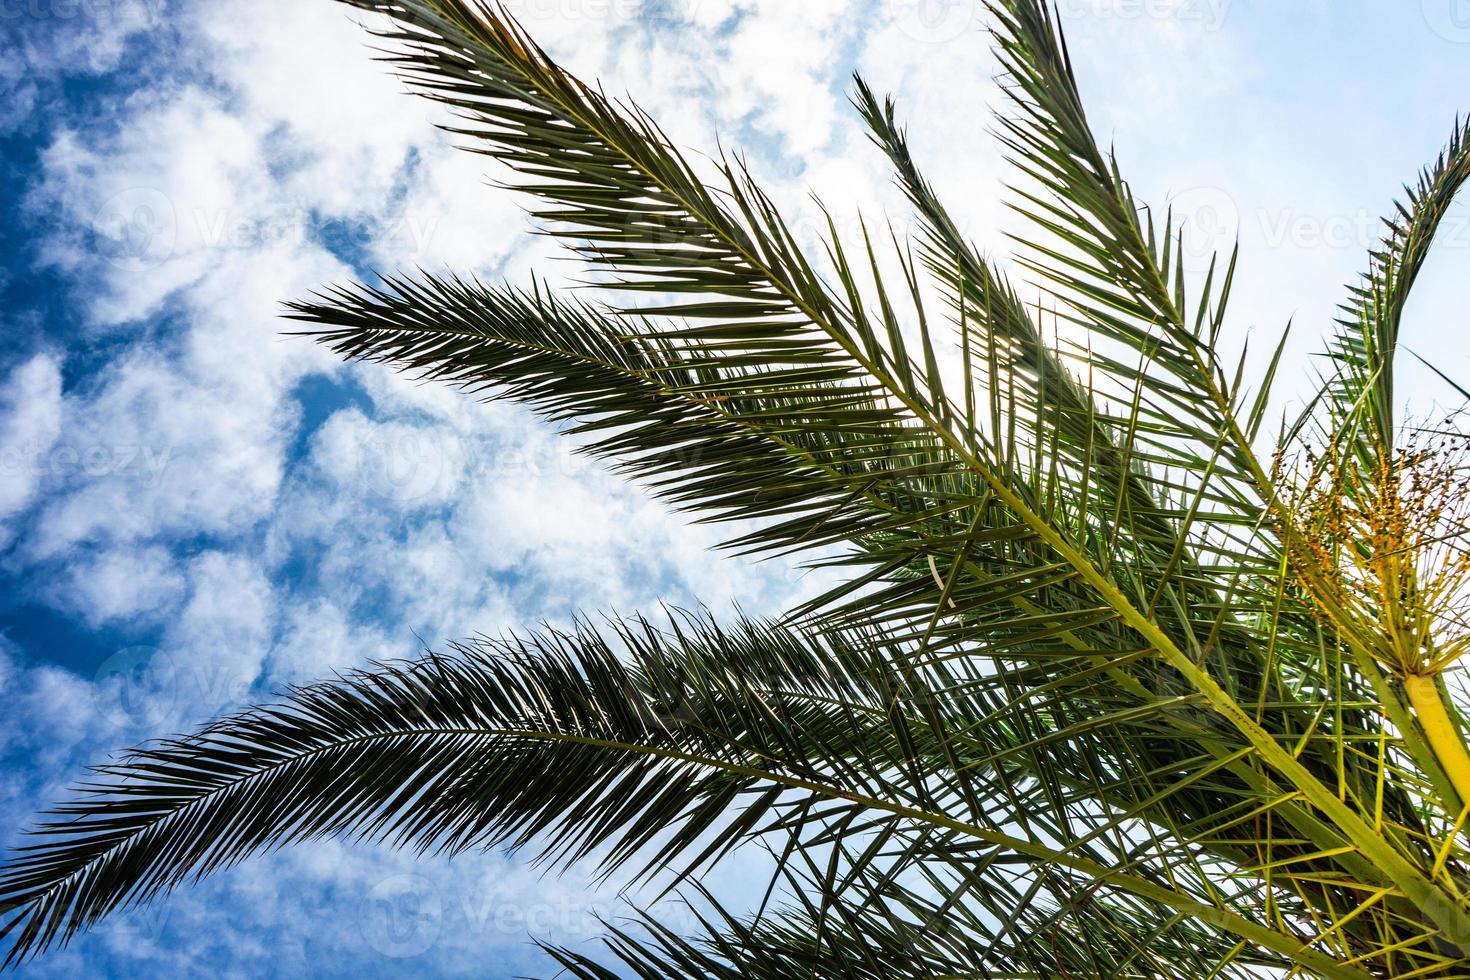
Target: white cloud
point(79, 37)
point(53, 718)
point(123, 584)
point(782, 58)
point(403, 465)
point(424, 512)
point(318, 636)
point(176, 455)
point(151, 207)
point(339, 126)
point(229, 617)
point(18, 92)
point(30, 425)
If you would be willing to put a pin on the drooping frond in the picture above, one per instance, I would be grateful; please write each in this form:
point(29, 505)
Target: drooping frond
point(725, 290)
point(661, 747)
point(714, 436)
point(909, 936)
point(582, 744)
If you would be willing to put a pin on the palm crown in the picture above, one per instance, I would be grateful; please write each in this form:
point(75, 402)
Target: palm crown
point(1107, 691)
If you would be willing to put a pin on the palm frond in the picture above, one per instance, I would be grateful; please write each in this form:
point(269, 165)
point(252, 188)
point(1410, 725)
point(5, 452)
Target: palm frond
point(1358, 390)
point(1118, 275)
point(907, 935)
point(702, 433)
point(574, 363)
point(663, 746)
point(566, 738)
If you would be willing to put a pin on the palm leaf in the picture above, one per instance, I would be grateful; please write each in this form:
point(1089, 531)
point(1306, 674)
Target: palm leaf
point(1359, 382)
point(634, 750)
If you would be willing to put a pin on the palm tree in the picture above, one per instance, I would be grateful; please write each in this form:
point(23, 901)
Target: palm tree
point(1108, 691)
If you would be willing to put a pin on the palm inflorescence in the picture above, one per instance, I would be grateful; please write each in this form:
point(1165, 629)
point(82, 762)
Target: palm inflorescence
point(1108, 690)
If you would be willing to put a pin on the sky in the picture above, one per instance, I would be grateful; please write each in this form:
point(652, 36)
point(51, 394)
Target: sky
point(196, 510)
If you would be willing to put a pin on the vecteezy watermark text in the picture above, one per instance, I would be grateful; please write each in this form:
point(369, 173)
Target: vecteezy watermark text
point(145, 464)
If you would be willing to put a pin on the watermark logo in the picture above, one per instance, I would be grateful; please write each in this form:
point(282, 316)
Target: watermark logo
point(1208, 15)
point(140, 684)
point(402, 916)
point(145, 465)
point(1450, 19)
point(1206, 219)
point(139, 229)
point(407, 915)
point(136, 229)
point(295, 227)
point(403, 464)
point(144, 687)
point(565, 11)
point(149, 11)
point(937, 21)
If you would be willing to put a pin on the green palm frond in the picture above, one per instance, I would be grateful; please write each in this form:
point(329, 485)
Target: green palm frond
point(490, 336)
point(1120, 272)
point(665, 745)
point(689, 426)
point(913, 937)
point(589, 744)
point(1357, 411)
point(1098, 693)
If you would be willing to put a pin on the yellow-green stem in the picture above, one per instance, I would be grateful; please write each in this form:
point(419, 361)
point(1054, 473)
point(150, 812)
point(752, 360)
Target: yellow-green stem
point(1444, 737)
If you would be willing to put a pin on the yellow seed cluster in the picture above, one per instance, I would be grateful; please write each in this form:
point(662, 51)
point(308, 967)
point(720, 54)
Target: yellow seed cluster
point(1386, 546)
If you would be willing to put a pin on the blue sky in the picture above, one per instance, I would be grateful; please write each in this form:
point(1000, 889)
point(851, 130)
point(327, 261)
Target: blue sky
point(195, 511)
